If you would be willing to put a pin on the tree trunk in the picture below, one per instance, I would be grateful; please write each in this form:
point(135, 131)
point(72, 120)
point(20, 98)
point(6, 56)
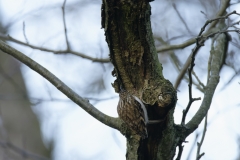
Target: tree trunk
point(138, 71)
point(20, 125)
point(20, 134)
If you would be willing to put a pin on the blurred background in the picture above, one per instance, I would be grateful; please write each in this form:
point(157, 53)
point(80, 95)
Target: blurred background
point(39, 122)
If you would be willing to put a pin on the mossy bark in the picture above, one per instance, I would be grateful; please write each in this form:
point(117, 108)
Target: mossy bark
point(137, 69)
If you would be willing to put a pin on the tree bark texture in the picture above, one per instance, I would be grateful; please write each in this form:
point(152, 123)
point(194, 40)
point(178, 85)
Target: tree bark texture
point(139, 76)
point(138, 71)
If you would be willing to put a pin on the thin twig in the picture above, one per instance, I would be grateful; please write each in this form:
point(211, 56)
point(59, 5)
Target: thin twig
point(182, 72)
point(24, 33)
point(180, 150)
point(192, 147)
point(181, 18)
point(84, 104)
point(100, 99)
point(203, 38)
point(175, 61)
point(214, 20)
point(213, 80)
point(191, 100)
point(24, 153)
point(9, 38)
point(68, 50)
point(237, 73)
point(224, 5)
point(192, 64)
point(199, 43)
point(38, 100)
point(64, 24)
point(201, 142)
point(199, 81)
point(177, 64)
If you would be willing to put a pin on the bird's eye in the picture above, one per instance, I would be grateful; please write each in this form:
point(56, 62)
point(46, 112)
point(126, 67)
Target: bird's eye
point(160, 97)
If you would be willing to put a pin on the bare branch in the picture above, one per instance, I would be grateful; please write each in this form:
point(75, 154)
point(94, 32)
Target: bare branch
point(193, 145)
point(214, 20)
point(100, 99)
point(199, 81)
point(64, 24)
point(203, 38)
point(22, 152)
point(9, 38)
point(24, 33)
point(183, 71)
point(191, 100)
point(224, 5)
point(201, 142)
point(180, 150)
point(68, 50)
point(177, 64)
point(217, 55)
point(214, 65)
point(181, 18)
point(84, 104)
point(199, 43)
point(237, 73)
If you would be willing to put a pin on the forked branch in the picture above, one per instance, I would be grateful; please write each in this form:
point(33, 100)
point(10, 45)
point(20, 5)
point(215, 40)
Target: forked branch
point(83, 103)
point(217, 53)
point(224, 5)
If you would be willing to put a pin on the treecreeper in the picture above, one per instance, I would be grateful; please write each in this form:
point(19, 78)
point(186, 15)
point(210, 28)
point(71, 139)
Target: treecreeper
point(133, 110)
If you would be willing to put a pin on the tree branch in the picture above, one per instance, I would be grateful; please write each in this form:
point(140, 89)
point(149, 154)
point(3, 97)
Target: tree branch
point(200, 85)
point(192, 147)
point(224, 5)
point(182, 72)
point(195, 50)
point(201, 142)
point(24, 33)
point(25, 154)
point(9, 38)
point(181, 18)
point(191, 41)
point(191, 100)
point(177, 64)
point(64, 24)
point(180, 150)
point(217, 56)
point(84, 104)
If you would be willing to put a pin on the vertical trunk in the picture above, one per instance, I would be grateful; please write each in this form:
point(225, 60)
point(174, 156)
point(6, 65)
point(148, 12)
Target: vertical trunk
point(137, 70)
point(18, 124)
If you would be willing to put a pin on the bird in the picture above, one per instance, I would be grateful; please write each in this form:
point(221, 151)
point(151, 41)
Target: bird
point(133, 112)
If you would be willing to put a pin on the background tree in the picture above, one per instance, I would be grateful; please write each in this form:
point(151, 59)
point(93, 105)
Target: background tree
point(20, 135)
point(139, 40)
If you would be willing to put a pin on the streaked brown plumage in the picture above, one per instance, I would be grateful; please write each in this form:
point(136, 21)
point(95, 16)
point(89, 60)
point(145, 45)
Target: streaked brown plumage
point(131, 112)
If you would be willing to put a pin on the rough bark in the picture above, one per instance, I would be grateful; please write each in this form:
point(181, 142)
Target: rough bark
point(138, 71)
